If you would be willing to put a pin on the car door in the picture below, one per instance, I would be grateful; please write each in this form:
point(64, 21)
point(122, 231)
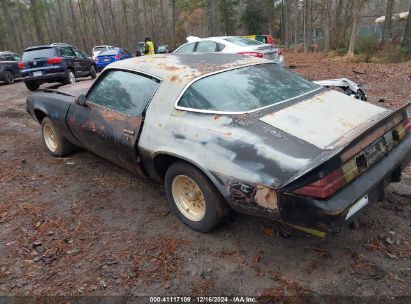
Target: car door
point(84, 62)
point(11, 63)
point(69, 54)
point(109, 123)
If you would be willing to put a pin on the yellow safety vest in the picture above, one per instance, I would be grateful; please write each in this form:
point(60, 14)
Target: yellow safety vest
point(150, 48)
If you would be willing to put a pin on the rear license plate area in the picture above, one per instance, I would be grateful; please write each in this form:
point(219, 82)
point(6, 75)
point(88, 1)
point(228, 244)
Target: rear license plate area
point(37, 73)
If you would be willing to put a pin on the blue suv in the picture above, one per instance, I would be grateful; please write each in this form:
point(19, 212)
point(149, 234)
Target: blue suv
point(57, 62)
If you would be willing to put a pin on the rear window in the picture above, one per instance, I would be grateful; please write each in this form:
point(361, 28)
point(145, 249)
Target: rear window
point(99, 48)
point(36, 54)
point(109, 52)
point(245, 89)
point(242, 41)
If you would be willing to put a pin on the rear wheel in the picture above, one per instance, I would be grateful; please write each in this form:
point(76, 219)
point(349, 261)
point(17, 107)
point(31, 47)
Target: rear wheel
point(55, 143)
point(32, 85)
point(93, 72)
point(193, 197)
point(8, 77)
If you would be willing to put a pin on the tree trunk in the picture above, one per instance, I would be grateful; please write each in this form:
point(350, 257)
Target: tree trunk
point(306, 25)
point(406, 40)
point(327, 42)
point(173, 10)
point(210, 17)
point(10, 25)
point(386, 30)
point(146, 25)
point(97, 10)
point(356, 8)
point(136, 21)
point(35, 14)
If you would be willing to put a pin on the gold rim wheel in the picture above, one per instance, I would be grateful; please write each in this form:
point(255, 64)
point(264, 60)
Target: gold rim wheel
point(50, 138)
point(188, 197)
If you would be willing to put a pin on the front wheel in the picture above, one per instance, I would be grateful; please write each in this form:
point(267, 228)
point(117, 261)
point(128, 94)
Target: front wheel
point(8, 78)
point(93, 72)
point(71, 78)
point(193, 197)
point(55, 143)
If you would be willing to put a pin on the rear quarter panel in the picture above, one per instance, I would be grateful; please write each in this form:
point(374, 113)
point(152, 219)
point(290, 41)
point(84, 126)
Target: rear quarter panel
point(55, 106)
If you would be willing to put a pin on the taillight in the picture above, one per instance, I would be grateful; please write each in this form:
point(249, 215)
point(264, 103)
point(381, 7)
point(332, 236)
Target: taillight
point(331, 183)
point(54, 60)
point(255, 54)
point(351, 169)
point(22, 65)
point(117, 57)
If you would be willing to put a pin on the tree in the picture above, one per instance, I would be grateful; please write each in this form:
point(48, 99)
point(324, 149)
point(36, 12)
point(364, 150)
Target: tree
point(356, 12)
point(406, 41)
point(386, 30)
point(227, 18)
point(34, 8)
point(253, 18)
point(10, 23)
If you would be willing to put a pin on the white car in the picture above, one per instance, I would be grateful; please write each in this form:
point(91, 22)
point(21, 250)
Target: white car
point(232, 45)
point(101, 48)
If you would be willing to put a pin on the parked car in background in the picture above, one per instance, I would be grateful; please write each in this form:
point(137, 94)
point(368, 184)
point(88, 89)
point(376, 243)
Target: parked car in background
point(233, 45)
point(162, 49)
point(107, 57)
point(57, 62)
point(9, 67)
point(262, 38)
point(139, 48)
point(101, 48)
point(224, 131)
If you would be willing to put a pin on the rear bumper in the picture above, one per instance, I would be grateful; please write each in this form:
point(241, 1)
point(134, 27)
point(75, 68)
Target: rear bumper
point(51, 77)
point(341, 209)
point(101, 65)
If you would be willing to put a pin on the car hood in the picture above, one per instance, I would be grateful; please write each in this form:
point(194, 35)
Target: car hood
point(76, 89)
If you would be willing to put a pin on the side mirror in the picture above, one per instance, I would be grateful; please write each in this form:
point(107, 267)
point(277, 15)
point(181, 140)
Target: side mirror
point(81, 100)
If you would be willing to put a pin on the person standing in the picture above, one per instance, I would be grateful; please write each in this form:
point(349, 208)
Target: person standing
point(148, 47)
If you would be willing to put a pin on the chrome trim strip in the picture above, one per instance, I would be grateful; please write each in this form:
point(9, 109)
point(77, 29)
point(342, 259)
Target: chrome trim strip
point(177, 107)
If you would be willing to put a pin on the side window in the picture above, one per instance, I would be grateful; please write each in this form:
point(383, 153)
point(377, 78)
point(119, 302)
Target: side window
point(79, 54)
point(67, 52)
point(16, 57)
point(220, 47)
point(124, 92)
point(206, 47)
point(188, 48)
point(8, 57)
point(2, 58)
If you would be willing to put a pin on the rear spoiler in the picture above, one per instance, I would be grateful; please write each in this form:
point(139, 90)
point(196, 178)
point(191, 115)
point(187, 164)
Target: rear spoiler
point(355, 141)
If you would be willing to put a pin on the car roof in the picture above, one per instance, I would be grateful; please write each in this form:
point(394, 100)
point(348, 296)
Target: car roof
point(6, 53)
point(47, 46)
point(181, 69)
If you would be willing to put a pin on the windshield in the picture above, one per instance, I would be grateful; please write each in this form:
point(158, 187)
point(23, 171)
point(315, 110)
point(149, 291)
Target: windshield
point(245, 89)
point(38, 54)
point(242, 41)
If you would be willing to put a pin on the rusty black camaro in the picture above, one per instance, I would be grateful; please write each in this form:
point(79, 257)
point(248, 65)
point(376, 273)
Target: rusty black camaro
point(232, 132)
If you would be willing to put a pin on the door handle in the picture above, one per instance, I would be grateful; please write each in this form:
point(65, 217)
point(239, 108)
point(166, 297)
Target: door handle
point(129, 132)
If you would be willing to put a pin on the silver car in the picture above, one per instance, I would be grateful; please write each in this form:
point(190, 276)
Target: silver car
point(232, 45)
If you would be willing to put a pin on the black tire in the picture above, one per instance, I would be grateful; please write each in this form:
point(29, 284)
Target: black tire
point(70, 76)
point(215, 206)
point(8, 77)
point(93, 72)
point(32, 86)
point(63, 146)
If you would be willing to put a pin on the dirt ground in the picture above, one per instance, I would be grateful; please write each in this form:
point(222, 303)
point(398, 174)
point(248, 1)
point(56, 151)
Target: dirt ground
point(83, 226)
